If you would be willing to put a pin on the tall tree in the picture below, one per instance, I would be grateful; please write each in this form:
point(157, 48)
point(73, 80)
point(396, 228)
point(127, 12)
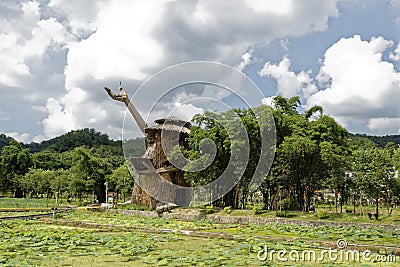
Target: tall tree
point(92, 170)
point(302, 166)
point(121, 181)
point(286, 105)
point(313, 110)
point(15, 162)
point(376, 174)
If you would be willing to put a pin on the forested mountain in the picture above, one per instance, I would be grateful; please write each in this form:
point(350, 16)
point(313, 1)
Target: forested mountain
point(381, 141)
point(92, 138)
point(78, 164)
point(85, 137)
point(4, 141)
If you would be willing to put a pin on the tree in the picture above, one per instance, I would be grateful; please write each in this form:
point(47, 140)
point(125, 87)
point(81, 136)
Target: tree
point(120, 180)
point(376, 174)
point(332, 140)
point(236, 134)
point(47, 159)
point(14, 162)
point(286, 105)
point(69, 141)
point(91, 171)
point(313, 110)
point(335, 158)
point(301, 167)
point(209, 127)
point(60, 182)
point(37, 182)
point(308, 154)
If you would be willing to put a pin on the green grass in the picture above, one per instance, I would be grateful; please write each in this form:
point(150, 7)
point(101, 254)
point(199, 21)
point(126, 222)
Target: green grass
point(85, 238)
point(21, 213)
point(332, 216)
point(33, 203)
point(96, 238)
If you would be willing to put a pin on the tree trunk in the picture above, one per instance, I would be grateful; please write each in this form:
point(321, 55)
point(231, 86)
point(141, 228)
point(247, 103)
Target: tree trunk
point(377, 202)
point(18, 193)
point(305, 197)
point(336, 203)
point(265, 199)
point(342, 198)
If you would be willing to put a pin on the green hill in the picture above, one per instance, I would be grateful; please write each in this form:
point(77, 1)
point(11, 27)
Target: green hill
point(381, 141)
point(4, 140)
point(85, 137)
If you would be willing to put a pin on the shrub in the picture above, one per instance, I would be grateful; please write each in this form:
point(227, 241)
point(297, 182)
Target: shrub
point(284, 204)
point(208, 210)
point(228, 209)
point(256, 210)
point(322, 214)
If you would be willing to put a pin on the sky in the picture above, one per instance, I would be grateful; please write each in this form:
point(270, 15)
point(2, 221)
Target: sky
point(57, 55)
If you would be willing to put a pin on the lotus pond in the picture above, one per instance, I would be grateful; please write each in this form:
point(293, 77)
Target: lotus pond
point(87, 238)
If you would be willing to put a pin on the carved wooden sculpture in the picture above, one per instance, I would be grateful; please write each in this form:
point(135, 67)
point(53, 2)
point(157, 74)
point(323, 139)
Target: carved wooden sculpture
point(154, 161)
point(123, 97)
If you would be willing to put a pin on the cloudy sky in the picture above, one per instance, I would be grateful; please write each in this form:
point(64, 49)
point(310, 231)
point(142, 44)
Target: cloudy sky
point(57, 55)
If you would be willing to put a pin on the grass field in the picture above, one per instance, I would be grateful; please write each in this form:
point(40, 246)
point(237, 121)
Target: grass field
point(84, 238)
point(95, 238)
point(32, 203)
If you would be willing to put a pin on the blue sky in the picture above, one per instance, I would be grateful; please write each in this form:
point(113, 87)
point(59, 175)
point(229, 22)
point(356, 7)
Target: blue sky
point(57, 55)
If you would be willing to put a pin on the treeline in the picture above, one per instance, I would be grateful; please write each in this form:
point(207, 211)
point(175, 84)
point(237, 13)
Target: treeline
point(75, 165)
point(84, 137)
point(381, 141)
point(313, 152)
point(4, 140)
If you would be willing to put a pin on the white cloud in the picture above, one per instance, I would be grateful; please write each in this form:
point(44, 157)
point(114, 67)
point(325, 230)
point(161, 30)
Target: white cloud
point(185, 111)
point(384, 125)
point(395, 3)
point(4, 116)
point(121, 46)
point(226, 28)
point(24, 137)
point(289, 83)
point(246, 60)
point(81, 15)
point(59, 120)
point(75, 111)
point(396, 55)
point(103, 42)
point(268, 101)
point(282, 7)
point(22, 47)
point(133, 39)
point(360, 85)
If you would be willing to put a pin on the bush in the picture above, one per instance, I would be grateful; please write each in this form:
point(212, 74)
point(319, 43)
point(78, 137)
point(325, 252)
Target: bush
point(322, 214)
point(256, 210)
point(228, 209)
point(284, 204)
point(208, 210)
